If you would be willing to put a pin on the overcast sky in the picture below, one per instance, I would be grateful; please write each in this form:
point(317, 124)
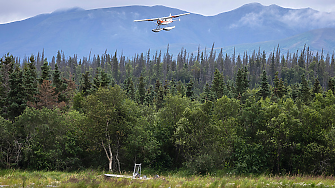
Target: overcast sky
point(13, 10)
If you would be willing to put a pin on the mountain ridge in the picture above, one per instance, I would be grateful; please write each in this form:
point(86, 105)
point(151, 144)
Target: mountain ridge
point(79, 31)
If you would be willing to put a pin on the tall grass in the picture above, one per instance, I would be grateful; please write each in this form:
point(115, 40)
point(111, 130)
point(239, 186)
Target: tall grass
point(95, 179)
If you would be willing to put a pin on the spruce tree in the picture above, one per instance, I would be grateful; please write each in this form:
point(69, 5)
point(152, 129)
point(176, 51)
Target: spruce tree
point(30, 80)
point(264, 91)
point(141, 90)
point(7, 64)
point(239, 83)
point(131, 89)
point(105, 80)
point(45, 72)
point(115, 66)
point(17, 97)
point(97, 79)
point(149, 96)
point(218, 84)
point(59, 85)
point(86, 84)
point(157, 86)
point(159, 98)
point(246, 81)
point(316, 87)
point(189, 90)
point(173, 88)
point(304, 90)
point(331, 85)
point(208, 93)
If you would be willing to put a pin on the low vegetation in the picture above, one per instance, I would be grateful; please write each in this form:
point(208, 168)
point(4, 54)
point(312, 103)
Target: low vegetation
point(91, 178)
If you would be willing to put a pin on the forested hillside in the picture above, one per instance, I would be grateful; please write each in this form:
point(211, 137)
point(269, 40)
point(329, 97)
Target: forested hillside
point(259, 112)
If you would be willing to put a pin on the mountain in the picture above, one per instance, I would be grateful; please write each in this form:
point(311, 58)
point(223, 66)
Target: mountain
point(81, 32)
point(317, 40)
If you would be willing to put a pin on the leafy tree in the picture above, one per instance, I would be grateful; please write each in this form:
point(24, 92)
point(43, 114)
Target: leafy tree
point(167, 120)
point(109, 121)
point(10, 148)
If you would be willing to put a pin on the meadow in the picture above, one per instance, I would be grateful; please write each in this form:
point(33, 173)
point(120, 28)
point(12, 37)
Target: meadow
point(92, 178)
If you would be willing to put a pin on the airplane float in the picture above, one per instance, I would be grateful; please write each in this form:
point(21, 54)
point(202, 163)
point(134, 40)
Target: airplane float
point(163, 21)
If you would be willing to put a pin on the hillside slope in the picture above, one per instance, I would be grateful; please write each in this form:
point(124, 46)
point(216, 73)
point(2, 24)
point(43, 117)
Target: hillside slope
point(79, 31)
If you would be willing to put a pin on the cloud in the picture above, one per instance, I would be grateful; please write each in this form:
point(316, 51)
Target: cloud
point(308, 18)
point(294, 18)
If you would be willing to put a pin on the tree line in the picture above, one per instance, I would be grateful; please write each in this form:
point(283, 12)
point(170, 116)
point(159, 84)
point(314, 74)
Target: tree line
point(202, 112)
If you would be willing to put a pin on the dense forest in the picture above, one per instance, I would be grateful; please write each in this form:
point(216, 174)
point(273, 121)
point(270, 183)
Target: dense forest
point(205, 111)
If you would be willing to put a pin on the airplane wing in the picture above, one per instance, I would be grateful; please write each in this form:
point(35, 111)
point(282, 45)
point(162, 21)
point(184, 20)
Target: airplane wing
point(152, 19)
point(176, 16)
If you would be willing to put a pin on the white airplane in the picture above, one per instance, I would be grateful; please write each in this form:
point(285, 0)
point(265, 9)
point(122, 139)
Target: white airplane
point(163, 21)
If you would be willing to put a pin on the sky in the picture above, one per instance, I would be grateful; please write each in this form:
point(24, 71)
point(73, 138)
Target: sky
point(15, 10)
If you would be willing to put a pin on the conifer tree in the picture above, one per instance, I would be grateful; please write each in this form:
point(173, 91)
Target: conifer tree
point(316, 87)
point(17, 97)
point(59, 85)
point(218, 84)
point(30, 79)
point(166, 88)
point(264, 91)
point(159, 98)
point(208, 93)
point(149, 97)
point(46, 97)
point(157, 86)
point(131, 89)
point(115, 67)
point(246, 81)
point(141, 90)
point(86, 84)
point(7, 64)
point(239, 83)
point(331, 85)
point(304, 90)
point(105, 80)
point(180, 88)
point(189, 90)
point(173, 88)
point(97, 79)
point(45, 72)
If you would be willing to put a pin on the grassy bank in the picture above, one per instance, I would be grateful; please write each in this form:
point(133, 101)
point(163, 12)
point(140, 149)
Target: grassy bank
point(91, 178)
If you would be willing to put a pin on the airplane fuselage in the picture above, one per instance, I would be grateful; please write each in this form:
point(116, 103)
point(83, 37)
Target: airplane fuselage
point(164, 21)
